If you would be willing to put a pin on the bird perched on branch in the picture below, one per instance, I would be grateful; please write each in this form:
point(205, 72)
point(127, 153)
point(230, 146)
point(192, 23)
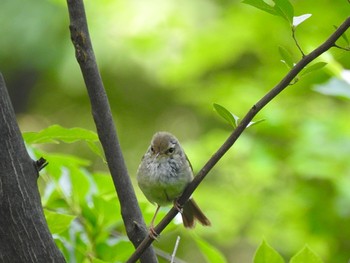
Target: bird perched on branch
point(163, 174)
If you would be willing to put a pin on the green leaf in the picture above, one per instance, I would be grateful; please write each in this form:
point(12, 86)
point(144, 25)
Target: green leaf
point(260, 4)
point(306, 255)
point(104, 183)
point(211, 253)
point(313, 67)
point(232, 119)
point(80, 186)
point(57, 222)
point(118, 250)
point(227, 115)
point(56, 133)
point(284, 9)
point(286, 57)
point(254, 122)
point(297, 20)
point(107, 210)
point(266, 254)
point(66, 160)
point(96, 260)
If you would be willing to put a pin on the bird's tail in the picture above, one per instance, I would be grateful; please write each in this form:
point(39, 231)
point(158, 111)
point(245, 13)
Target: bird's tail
point(191, 212)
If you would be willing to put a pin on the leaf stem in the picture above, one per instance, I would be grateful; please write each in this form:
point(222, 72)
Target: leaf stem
point(296, 42)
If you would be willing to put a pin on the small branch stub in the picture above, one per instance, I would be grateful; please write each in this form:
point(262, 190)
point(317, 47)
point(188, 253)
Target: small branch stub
point(40, 164)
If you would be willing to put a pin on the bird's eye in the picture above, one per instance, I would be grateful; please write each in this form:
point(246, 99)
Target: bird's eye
point(171, 150)
point(152, 149)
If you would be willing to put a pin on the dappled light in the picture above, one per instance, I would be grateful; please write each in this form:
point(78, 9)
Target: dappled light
point(192, 68)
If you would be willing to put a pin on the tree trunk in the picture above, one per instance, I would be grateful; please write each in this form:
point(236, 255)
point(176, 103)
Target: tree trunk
point(24, 234)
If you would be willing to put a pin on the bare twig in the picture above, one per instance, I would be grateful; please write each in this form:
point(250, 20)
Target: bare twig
point(175, 249)
point(167, 256)
point(133, 220)
point(330, 42)
point(296, 42)
point(342, 48)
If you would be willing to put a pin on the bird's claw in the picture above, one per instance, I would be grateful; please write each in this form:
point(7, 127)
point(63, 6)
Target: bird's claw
point(178, 207)
point(153, 234)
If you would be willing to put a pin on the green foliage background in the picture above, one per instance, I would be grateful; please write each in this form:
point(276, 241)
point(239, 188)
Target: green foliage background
point(164, 64)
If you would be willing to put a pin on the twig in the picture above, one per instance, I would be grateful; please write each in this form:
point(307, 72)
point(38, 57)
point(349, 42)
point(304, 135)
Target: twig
point(175, 249)
point(239, 130)
point(166, 256)
point(342, 48)
point(296, 42)
point(105, 127)
point(40, 164)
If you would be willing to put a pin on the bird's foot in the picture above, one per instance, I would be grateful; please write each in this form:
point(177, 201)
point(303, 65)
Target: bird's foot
point(153, 234)
point(178, 206)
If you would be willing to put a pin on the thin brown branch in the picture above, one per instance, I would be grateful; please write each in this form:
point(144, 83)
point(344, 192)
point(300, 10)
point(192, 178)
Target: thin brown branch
point(296, 42)
point(342, 48)
point(284, 83)
point(131, 213)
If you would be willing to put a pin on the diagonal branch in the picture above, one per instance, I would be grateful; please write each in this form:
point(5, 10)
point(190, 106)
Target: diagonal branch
point(284, 83)
point(131, 213)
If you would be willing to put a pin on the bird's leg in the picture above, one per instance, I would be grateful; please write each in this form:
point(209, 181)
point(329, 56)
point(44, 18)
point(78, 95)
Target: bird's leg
point(178, 207)
point(152, 233)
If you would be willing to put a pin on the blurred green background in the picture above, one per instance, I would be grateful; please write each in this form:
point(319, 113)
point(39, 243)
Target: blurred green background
point(164, 63)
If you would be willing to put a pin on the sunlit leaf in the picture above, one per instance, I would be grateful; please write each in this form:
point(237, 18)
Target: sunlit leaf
point(56, 133)
point(306, 255)
point(80, 186)
point(116, 250)
point(104, 183)
point(297, 20)
point(66, 160)
point(260, 4)
point(266, 254)
point(96, 260)
point(286, 57)
point(232, 119)
point(106, 209)
point(313, 67)
point(211, 253)
point(284, 9)
point(227, 115)
point(58, 222)
point(254, 122)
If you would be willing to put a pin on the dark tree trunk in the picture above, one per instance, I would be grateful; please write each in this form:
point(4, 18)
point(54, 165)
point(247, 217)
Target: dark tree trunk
point(24, 234)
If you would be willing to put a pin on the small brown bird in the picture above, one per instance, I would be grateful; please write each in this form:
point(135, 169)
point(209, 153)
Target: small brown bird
point(163, 174)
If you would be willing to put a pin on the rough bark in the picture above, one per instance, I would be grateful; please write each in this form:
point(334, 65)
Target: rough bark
point(24, 234)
